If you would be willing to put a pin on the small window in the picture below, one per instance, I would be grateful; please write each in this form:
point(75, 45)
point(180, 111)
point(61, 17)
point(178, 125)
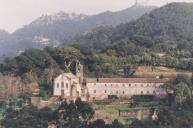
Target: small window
point(135, 85)
point(147, 92)
point(105, 85)
point(129, 85)
point(123, 85)
point(66, 85)
point(58, 85)
point(93, 98)
point(141, 92)
point(94, 91)
point(105, 91)
point(62, 84)
point(123, 92)
point(111, 85)
point(117, 92)
point(154, 92)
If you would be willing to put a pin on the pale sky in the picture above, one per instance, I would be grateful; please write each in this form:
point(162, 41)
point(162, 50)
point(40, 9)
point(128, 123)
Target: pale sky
point(16, 13)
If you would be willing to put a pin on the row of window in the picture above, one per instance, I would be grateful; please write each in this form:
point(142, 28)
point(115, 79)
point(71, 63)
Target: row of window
point(117, 92)
point(62, 85)
point(129, 85)
point(123, 92)
point(147, 92)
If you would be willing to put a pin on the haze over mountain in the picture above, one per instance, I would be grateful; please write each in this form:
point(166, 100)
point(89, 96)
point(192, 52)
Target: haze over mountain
point(61, 27)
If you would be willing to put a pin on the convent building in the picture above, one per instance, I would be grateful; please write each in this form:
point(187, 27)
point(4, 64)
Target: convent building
point(71, 86)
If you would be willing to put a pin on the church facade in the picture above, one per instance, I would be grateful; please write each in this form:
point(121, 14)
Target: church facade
point(71, 86)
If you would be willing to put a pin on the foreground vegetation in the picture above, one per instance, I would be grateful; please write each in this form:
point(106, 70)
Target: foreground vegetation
point(67, 115)
point(176, 110)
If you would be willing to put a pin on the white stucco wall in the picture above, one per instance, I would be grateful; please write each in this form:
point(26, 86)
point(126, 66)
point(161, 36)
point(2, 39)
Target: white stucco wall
point(67, 85)
point(102, 90)
point(58, 89)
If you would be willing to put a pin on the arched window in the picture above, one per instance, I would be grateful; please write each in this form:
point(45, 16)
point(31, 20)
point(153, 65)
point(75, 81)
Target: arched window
point(141, 92)
point(62, 84)
point(66, 85)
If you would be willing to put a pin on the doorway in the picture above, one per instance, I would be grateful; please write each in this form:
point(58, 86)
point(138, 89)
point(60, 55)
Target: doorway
point(62, 92)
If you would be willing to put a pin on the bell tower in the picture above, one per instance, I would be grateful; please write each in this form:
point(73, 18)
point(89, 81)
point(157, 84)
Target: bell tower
point(79, 72)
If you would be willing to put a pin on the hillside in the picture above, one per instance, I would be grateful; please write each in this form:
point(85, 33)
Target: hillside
point(172, 23)
point(145, 71)
point(166, 28)
point(6, 43)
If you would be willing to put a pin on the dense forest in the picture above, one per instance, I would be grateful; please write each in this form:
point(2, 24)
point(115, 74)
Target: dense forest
point(42, 66)
point(165, 29)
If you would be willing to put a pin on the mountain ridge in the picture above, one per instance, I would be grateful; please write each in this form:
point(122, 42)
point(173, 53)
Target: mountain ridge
point(62, 27)
point(60, 16)
point(170, 26)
